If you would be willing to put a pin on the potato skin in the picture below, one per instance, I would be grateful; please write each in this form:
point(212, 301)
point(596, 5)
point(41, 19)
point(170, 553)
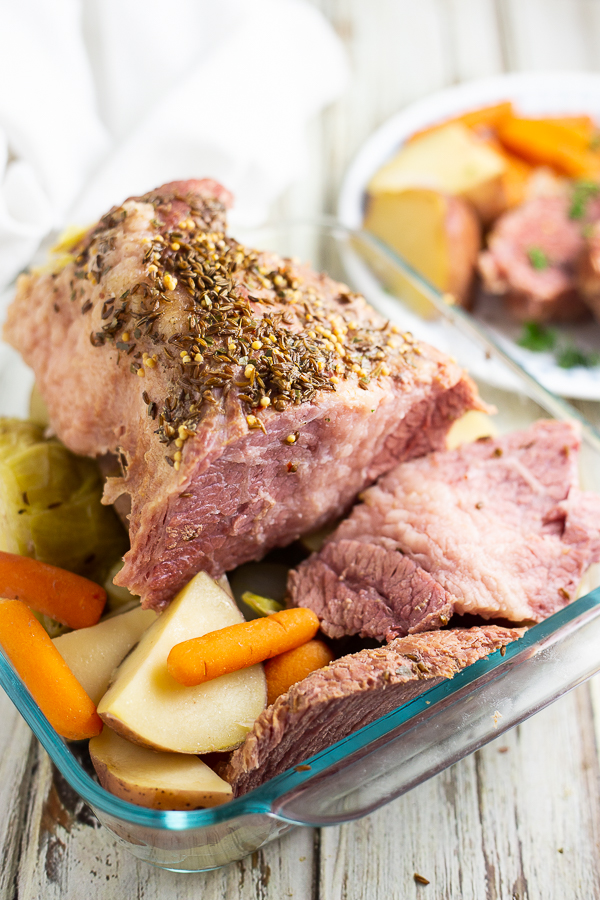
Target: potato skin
point(438, 234)
point(464, 242)
point(152, 796)
point(158, 799)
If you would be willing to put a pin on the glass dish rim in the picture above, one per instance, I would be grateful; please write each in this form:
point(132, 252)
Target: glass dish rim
point(263, 800)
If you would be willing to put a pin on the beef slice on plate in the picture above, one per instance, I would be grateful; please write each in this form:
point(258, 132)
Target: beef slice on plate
point(532, 260)
point(351, 692)
point(588, 269)
point(496, 528)
point(247, 397)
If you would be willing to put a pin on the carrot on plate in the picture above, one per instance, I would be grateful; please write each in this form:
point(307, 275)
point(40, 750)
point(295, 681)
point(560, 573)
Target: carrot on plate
point(68, 598)
point(292, 666)
point(582, 126)
point(543, 142)
point(45, 674)
point(484, 117)
point(239, 646)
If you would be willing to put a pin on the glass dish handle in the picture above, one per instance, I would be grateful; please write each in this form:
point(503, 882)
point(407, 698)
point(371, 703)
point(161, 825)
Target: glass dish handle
point(527, 680)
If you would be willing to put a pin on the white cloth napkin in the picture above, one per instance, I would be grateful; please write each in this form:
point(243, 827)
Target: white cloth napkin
point(104, 99)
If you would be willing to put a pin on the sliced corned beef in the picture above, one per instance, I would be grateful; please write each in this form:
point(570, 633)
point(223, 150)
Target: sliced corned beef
point(351, 692)
point(361, 588)
point(532, 259)
point(248, 398)
point(588, 270)
point(498, 526)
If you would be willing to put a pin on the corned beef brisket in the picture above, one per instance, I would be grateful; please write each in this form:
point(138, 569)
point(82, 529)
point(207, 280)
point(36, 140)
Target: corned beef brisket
point(351, 692)
point(248, 398)
point(497, 528)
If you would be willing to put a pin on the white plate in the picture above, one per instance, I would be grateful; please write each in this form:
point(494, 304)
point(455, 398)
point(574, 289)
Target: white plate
point(535, 93)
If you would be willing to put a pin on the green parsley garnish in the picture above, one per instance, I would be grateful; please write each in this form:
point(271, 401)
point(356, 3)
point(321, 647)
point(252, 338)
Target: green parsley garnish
point(541, 339)
point(538, 258)
point(537, 337)
point(583, 192)
point(569, 357)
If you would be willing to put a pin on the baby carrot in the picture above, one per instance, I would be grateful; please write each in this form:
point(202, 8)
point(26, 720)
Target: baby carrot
point(68, 598)
point(286, 669)
point(45, 673)
point(239, 646)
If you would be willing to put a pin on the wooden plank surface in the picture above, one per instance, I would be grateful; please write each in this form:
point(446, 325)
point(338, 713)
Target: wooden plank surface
point(520, 819)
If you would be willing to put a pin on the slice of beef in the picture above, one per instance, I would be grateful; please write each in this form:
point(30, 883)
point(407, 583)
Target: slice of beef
point(351, 692)
point(532, 259)
point(498, 525)
point(578, 519)
point(361, 588)
point(248, 398)
point(588, 270)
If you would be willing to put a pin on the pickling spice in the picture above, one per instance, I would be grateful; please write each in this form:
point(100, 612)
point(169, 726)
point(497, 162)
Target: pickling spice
point(253, 326)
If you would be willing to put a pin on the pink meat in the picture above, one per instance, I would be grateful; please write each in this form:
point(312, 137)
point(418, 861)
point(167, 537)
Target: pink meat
point(214, 478)
point(532, 294)
point(588, 270)
point(350, 693)
point(499, 525)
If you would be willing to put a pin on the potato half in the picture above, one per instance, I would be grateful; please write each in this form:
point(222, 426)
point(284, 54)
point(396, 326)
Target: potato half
point(439, 235)
point(452, 160)
point(92, 654)
point(154, 779)
point(147, 706)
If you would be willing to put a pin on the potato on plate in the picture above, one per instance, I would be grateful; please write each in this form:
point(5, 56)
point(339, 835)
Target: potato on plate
point(452, 160)
point(436, 233)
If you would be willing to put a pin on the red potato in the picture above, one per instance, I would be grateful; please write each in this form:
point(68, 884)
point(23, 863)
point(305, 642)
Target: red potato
point(439, 235)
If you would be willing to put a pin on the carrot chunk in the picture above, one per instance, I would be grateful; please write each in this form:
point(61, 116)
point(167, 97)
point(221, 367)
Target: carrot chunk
point(543, 142)
point(239, 646)
point(292, 666)
point(483, 117)
point(582, 126)
point(68, 598)
point(45, 673)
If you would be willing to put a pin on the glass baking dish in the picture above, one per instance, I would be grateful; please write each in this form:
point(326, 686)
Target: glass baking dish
point(398, 751)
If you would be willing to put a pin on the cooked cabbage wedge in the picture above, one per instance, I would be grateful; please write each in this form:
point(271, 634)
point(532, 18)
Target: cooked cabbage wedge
point(50, 504)
point(262, 606)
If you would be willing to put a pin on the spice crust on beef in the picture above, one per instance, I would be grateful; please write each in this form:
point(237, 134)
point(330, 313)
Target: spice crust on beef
point(307, 333)
point(350, 693)
point(248, 398)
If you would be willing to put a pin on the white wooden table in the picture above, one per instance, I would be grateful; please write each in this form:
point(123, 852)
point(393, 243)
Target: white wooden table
point(518, 820)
